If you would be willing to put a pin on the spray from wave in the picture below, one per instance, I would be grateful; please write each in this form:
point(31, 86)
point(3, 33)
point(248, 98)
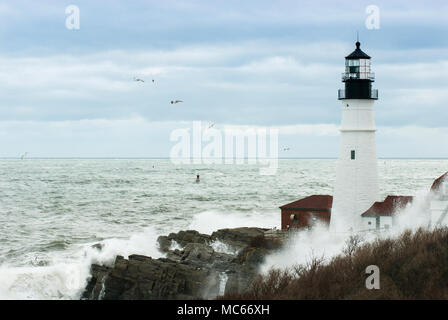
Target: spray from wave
point(320, 243)
point(65, 275)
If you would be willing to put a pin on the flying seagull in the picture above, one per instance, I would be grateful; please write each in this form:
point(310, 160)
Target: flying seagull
point(286, 149)
point(138, 79)
point(175, 101)
point(23, 155)
point(211, 125)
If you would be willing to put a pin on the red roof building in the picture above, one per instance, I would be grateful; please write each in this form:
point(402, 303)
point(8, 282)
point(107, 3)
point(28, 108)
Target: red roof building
point(306, 212)
point(381, 214)
point(388, 207)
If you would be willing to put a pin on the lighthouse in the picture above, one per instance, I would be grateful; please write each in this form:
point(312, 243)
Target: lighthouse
point(356, 185)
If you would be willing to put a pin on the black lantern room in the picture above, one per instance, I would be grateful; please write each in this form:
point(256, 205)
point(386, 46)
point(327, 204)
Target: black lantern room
point(357, 77)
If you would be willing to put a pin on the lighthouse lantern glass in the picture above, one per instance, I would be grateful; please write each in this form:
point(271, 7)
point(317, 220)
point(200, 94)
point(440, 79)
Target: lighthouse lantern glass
point(357, 69)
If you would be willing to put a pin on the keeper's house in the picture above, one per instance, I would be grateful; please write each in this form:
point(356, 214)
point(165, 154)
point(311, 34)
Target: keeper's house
point(306, 213)
point(381, 214)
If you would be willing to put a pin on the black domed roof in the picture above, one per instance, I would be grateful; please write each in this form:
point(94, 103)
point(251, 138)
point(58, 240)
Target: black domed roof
point(358, 53)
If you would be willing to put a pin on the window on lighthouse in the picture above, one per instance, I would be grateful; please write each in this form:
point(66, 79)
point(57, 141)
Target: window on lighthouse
point(352, 155)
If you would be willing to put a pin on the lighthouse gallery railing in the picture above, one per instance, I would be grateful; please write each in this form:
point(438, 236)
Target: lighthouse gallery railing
point(358, 75)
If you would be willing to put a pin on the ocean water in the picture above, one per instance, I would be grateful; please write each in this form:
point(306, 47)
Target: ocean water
point(53, 210)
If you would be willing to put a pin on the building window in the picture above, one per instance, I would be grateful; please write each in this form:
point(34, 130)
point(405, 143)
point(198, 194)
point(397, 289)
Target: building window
point(314, 219)
point(370, 222)
point(295, 219)
point(352, 155)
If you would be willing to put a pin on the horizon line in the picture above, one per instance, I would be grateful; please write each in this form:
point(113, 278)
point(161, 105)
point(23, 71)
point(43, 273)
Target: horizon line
point(233, 158)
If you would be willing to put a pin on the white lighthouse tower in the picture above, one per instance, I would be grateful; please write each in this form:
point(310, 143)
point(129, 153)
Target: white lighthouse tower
point(356, 187)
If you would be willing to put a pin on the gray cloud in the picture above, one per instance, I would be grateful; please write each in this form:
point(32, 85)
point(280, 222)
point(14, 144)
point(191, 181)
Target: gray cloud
point(247, 83)
point(269, 64)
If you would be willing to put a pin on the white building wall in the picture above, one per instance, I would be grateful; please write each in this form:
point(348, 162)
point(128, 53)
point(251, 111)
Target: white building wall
point(356, 187)
point(366, 225)
point(385, 222)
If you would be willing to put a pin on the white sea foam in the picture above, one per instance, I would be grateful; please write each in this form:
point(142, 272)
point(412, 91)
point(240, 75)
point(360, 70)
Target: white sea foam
point(223, 277)
point(65, 277)
point(58, 281)
point(222, 247)
point(143, 243)
point(304, 246)
point(175, 246)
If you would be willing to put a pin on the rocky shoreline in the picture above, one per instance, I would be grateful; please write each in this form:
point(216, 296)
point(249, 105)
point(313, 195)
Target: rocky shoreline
point(196, 266)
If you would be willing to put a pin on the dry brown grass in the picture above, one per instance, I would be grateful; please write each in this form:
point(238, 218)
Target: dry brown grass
point(412, 266)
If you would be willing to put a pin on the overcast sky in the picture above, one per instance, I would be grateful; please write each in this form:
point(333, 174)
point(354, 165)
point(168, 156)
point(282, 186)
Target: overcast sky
point(70, 93)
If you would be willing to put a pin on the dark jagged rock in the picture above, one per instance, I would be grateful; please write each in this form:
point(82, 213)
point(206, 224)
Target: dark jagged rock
point(182, 238)
point(252, 256)
point(238, 237)
point(164, 243)
point(95, 286)
point(142, 277)
point(196, 271)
